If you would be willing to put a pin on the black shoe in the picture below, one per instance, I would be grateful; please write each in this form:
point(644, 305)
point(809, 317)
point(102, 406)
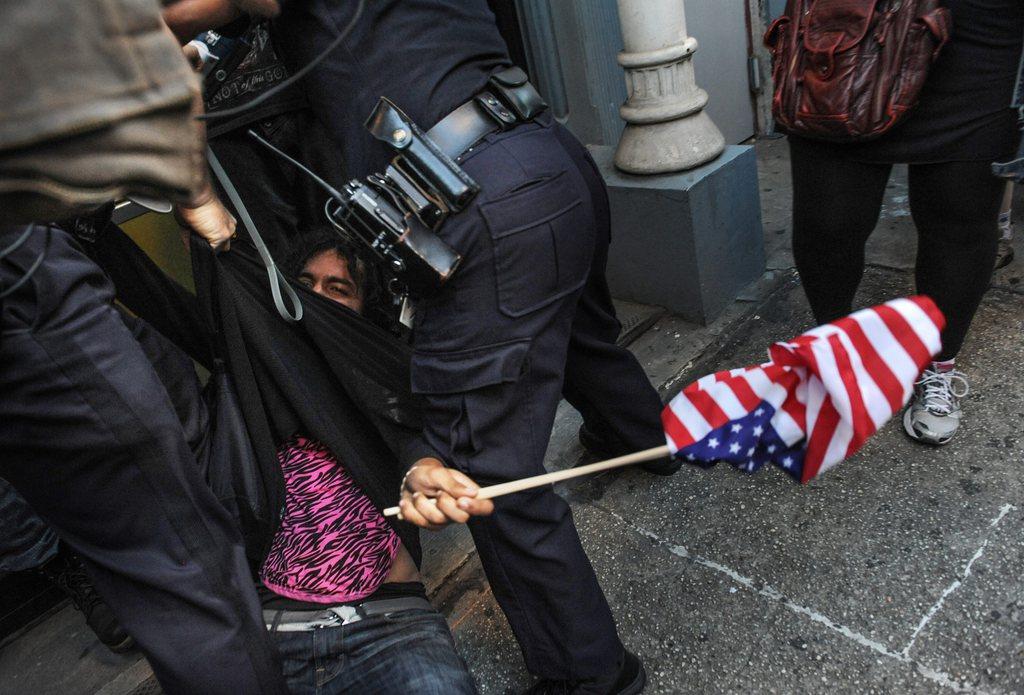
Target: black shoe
point(601, 444)
point(1004, 254)
point(607, 446)
point(65, 570)
point(629, 679)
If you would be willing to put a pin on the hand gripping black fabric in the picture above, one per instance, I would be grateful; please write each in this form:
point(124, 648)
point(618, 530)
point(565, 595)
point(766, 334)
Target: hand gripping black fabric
point(274, 274)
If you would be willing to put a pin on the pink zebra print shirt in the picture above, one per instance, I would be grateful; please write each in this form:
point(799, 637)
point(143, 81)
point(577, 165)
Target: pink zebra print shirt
point(333, 545)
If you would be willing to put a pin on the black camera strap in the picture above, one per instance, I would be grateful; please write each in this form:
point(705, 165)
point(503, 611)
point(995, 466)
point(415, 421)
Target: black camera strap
point(278, 281)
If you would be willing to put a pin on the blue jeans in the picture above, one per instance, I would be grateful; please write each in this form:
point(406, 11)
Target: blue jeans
point(1014, 169)
point(26, 541)
point(407, 652)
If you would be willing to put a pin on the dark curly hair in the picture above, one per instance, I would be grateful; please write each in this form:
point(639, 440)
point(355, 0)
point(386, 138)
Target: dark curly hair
point(310, 243)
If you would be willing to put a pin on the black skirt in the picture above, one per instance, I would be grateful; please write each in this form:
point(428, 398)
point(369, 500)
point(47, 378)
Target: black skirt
point(964, 113)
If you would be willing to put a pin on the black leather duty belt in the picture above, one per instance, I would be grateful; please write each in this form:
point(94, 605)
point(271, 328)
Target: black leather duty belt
point(509, 100)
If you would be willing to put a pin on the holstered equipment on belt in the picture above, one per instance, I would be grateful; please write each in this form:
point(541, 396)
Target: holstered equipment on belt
point(374, 215)
point(412, 252)
point(396, 213)
point(513, 89)
point(425, 179)
point(418, 158)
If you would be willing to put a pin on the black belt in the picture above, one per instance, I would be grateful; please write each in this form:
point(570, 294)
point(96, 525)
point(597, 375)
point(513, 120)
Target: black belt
point(511, 100)
point(462, 128)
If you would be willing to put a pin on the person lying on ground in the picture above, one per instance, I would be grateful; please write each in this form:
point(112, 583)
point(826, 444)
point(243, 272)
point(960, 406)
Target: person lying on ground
point(333, 566)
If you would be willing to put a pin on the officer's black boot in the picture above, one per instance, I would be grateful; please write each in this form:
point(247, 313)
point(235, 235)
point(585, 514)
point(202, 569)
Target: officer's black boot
point(65, 571)
point(629, 678)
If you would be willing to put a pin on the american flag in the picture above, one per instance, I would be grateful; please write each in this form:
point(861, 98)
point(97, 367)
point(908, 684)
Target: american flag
point(816, 401)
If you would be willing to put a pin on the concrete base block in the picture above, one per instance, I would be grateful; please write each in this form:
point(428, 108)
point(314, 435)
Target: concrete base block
point(687, 241)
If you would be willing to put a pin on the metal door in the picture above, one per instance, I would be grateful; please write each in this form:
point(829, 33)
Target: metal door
point(721, 63)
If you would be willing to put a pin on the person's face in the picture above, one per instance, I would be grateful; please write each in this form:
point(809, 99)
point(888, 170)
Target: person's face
point(327, 274)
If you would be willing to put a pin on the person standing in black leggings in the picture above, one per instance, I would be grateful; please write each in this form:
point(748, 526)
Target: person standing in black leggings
point(961, 125)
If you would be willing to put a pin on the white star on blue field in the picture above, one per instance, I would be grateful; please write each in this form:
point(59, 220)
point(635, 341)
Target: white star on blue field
point(747, 443)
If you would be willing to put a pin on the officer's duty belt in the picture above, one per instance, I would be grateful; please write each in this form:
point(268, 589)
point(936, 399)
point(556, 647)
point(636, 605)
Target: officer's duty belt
point(509, 100)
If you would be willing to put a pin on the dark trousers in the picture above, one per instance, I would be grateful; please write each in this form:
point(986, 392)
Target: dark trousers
point(836, 205)
point(397, 654)
point(527, 315)
point(91, 439)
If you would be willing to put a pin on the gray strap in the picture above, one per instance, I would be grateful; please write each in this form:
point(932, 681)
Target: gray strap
point(274, 274)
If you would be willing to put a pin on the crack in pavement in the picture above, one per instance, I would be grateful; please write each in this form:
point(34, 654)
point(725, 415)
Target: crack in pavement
point(769, 592)
point(957, 583)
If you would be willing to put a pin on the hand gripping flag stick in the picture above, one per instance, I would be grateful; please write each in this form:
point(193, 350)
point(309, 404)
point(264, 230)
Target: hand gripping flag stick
point(813, 404)
point(508, 488)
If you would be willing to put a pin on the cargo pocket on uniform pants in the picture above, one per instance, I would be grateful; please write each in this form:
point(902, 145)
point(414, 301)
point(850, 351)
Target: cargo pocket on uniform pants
point(471, 398)
point(542, 244)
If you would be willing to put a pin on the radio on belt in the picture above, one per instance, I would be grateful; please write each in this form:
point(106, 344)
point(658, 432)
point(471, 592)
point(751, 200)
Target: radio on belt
point(395, 214)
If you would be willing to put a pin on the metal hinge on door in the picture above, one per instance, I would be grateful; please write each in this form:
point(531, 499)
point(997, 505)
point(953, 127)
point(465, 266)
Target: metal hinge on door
point(754, 74)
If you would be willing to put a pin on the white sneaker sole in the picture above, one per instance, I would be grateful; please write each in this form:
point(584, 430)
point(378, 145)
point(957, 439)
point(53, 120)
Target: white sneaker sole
point(908, 427)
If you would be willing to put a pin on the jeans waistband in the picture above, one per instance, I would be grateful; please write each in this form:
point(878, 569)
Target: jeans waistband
point(335, 616)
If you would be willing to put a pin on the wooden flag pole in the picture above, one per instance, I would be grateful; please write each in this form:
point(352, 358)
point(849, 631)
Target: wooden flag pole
point(508, 488)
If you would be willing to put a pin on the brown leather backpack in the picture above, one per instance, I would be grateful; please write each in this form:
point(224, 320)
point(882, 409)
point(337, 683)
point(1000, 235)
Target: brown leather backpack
point(850, 70)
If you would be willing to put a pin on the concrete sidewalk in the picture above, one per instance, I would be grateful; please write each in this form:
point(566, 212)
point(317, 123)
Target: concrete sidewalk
point(900, 571)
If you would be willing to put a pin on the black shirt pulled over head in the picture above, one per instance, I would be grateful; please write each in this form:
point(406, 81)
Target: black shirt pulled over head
point(427, 56)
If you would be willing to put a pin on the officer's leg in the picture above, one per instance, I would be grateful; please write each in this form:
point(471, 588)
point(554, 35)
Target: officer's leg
point(531, 551)
point(490, 412)
point(603, 381)
point(489, 359)
point(177, 373)
point(91, 440)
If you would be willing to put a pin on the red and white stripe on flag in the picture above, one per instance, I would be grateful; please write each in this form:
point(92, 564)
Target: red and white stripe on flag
point(833, 386)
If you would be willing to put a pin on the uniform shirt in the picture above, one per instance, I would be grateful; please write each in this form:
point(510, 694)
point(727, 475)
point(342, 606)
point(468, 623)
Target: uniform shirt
point(333, 545)
point(427, 56)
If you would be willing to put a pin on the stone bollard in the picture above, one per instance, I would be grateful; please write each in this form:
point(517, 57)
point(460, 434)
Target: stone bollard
point(666, 129)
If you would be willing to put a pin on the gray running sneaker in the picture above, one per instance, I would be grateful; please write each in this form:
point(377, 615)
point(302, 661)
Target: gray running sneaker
point(933, 416)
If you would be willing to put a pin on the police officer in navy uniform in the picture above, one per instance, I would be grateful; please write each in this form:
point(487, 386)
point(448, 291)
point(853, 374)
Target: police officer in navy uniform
point(526, 319)
point(90, 434)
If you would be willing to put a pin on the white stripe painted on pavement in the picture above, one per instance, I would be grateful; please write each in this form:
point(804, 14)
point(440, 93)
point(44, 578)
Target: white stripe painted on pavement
point(773, 594)
point(957, 583)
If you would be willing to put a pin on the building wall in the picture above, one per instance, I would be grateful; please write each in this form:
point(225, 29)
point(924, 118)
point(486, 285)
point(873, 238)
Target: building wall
point(571, 48)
